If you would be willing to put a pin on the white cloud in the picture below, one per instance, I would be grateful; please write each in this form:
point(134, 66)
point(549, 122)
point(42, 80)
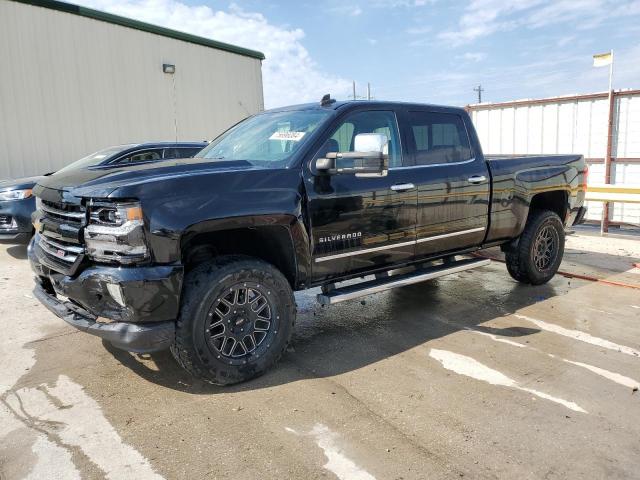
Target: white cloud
point(485, 17)
point(289, 73)
point(419, 30)
point(553, 74)
point(348, 10)
point(399, 3)
point(473, 56)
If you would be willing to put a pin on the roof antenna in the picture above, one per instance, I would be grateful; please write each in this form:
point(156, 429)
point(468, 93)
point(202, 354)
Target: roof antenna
point(327, 100)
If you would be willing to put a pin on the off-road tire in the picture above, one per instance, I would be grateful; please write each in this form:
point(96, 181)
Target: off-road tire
point(520, 258)
point(204, 286)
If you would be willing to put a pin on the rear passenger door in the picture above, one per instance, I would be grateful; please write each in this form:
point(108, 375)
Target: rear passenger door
point(453, 185)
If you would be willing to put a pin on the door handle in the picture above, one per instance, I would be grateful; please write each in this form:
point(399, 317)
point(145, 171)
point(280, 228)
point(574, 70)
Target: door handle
point(402, 187)
point(477, 179)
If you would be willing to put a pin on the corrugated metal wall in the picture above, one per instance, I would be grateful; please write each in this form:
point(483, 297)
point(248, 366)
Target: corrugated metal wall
point(570, 125)
point(72, 85)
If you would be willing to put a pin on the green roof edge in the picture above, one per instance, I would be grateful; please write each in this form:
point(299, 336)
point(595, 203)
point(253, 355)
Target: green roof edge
point(145, 27)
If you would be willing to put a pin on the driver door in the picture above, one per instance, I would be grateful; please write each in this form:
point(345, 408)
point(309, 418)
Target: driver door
point(362, 223)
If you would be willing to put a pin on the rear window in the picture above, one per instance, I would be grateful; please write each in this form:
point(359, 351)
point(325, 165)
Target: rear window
point(438, 138)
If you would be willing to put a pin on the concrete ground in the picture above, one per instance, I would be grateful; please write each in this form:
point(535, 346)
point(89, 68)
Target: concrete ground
point(472, 376)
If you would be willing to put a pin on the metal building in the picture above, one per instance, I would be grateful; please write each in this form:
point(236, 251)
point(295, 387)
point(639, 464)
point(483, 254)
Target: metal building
point(75, 80)
point(575, 124)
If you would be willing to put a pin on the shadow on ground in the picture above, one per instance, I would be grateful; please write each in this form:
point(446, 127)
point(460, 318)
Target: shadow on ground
point(333, 340)
point(18, 251)
point(593, 264)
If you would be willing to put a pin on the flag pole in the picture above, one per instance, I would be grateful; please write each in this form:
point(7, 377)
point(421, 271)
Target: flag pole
point(604, 223)
point(611, 74)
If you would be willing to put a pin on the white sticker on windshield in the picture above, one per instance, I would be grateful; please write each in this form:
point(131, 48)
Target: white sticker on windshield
point(293, 136)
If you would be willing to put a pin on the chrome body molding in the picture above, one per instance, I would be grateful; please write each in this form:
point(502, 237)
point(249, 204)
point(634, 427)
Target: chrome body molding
point(397, 245)
point(454, 234)
point(363, 251)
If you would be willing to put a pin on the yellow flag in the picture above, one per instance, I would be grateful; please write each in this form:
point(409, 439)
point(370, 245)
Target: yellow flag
point(602, 59)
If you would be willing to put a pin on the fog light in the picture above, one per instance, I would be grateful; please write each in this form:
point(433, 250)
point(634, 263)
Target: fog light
point(116, 293)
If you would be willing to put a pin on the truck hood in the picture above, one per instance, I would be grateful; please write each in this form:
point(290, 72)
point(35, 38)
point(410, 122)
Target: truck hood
point(102, 181)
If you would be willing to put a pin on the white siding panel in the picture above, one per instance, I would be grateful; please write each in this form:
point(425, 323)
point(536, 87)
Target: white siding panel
point(76, 85)
point(482, 129)
point(571, 126)
point(599, 128)
point(521, 130)
point(566, 127)
point(507, 131)
point(628, 128)
point(583, 127)
point(534, 143)
point(495, 130)
point(549, 137)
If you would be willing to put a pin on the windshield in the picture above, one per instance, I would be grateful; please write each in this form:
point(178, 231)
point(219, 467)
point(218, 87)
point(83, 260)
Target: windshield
point(266, 140)
point(96, 158)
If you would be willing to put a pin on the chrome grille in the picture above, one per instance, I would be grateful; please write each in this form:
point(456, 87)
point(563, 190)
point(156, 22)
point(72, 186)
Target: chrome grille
point(73, 214)
point(60, 238)
point(60, 250)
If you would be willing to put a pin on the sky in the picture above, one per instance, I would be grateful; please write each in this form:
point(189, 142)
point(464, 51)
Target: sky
point(433, 51)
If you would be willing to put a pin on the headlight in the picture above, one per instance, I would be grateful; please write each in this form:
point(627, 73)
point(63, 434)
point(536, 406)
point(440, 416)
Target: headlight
point(15, 194)
point(115, 232)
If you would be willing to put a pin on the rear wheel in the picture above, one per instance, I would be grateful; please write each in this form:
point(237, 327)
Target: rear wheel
point(538, 254)
point(235, 321)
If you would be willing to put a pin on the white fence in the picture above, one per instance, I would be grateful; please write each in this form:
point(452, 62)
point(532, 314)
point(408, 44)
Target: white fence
point(576, 124)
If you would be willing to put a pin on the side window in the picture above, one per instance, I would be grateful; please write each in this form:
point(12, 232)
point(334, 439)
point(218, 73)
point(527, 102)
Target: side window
point(343, 136)
point(142, 156)
point(188, 152)
point(342, 139)
point(180, 152)
point(438, 138)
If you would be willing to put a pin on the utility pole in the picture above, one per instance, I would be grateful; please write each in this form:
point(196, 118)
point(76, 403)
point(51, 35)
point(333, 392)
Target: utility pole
point(355, 96)
point(479, 89)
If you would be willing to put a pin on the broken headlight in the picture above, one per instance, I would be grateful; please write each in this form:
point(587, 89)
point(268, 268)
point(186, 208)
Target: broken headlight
point(116, 232)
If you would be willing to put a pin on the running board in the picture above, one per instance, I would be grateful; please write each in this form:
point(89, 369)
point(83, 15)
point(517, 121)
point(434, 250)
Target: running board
point(380, 285)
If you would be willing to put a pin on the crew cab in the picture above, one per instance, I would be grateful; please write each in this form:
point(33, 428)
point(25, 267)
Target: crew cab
point(202, 255)
point(17, 203)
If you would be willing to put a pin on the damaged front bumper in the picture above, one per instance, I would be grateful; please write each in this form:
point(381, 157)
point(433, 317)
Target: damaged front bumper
point(139, 338)
point(132, 308)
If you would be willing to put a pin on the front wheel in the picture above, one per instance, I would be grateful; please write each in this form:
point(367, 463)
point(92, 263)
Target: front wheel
point(235, 321)
point(538, 254)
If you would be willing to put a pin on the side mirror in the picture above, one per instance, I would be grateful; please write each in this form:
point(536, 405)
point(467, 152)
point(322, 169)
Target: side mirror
point(370, 158)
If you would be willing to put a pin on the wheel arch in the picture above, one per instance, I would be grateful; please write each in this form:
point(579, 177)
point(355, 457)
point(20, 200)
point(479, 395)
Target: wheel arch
point(554, 200)
point(279, 240)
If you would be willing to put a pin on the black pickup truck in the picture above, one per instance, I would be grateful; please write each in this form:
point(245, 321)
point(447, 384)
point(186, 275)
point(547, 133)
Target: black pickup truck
point(202, 255)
